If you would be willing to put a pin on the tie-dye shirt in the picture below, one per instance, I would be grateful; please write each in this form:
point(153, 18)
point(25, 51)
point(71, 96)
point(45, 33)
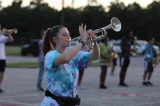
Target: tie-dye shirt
point(62, 79)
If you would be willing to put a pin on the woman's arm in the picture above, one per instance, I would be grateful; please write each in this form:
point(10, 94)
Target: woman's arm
point(68, 54)
point(95, 52)
point(10, 38)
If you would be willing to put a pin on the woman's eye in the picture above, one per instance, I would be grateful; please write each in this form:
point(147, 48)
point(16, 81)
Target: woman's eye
point(65, 35)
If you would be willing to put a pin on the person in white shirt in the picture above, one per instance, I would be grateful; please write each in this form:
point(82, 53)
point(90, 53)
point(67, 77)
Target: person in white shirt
point(3, 39)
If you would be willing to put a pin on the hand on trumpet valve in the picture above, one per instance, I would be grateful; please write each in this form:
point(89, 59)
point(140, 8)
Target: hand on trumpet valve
point(92, 36)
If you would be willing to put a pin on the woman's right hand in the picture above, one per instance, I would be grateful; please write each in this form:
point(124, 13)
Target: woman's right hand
point(83, 33)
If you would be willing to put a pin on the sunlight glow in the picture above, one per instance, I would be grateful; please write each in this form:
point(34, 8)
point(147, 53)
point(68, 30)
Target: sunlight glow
point(78, 3)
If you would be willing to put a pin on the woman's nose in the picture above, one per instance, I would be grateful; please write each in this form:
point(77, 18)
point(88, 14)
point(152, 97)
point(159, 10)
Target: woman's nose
point(69, 37)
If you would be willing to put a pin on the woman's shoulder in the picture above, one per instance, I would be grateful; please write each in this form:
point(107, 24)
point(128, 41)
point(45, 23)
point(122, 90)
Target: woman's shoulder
point(52, 53)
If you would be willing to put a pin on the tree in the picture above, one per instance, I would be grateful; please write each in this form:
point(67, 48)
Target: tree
point(35, 3)
point(17, 3)
point(90, 2)
point(73, 3)
point(154, 19)
point(0, 5)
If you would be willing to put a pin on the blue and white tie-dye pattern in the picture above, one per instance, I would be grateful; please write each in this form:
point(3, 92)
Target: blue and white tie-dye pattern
point(62, 79)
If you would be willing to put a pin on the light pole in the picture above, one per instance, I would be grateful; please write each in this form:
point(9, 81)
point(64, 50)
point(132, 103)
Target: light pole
point(62, 13)
point(73, 3)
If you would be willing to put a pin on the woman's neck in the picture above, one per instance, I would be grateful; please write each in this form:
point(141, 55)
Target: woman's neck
point(59, 49)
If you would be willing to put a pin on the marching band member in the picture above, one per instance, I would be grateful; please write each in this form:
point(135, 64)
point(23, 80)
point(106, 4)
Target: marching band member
point(3, 39)
point(149, 56)
point(61, 65)
point(105, 61)
point(126, 43)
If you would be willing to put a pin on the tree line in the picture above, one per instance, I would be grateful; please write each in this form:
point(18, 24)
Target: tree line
point(33, 19)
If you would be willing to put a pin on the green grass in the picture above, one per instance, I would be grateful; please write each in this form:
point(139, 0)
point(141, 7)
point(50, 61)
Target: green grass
point(30, 64)
point(13, 50)
point(27, 64)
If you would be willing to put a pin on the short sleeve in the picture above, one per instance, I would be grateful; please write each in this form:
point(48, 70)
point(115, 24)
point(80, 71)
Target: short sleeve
point(82, 59)
point(3, 39)
point(50, 58)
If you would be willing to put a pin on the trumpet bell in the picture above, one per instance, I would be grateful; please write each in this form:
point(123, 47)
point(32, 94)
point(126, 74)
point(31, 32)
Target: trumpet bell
point(15, 31)
point(116, 24)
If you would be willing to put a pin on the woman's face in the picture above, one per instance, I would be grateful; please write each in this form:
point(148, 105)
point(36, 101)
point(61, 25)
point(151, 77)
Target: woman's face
point(63, 37)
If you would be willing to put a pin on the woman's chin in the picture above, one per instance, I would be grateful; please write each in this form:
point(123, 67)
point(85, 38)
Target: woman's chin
point(67, 45)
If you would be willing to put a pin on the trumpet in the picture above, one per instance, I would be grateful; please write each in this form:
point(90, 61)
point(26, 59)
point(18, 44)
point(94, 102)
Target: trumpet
point(115, 24)
point(9, 31)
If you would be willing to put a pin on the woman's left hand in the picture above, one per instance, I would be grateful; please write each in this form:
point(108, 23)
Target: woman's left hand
point(91, 35)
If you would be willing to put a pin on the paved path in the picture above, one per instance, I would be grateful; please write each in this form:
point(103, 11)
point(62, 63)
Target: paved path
point(20, 88)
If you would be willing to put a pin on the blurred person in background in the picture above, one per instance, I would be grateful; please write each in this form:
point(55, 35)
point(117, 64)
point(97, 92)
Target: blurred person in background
point(114, 62)
point(81, 69)
point(40, 64)
point(105, 61)
point(149, 57)
point(114, 57)
point(4, 37)
point(126, 43)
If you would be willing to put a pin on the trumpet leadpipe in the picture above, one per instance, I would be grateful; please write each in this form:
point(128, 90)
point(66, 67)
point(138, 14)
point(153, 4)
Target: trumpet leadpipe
point(98, 38)
point(90, 40)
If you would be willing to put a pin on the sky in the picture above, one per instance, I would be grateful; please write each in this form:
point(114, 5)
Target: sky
point(78, 3)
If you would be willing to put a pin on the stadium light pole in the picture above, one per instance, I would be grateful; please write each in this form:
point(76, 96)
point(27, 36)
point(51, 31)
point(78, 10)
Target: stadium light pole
point(62, 13)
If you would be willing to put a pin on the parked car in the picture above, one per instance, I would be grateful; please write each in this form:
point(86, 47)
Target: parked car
point(116, 46)
point(30, 48)
point(139, 46)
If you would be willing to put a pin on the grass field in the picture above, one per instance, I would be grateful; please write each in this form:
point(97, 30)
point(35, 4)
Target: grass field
point(26, 64)
point(30, 64)
point(13, 50)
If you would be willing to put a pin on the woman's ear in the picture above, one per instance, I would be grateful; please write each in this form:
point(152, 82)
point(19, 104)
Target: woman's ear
point(55, 39)
point(53, 42)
